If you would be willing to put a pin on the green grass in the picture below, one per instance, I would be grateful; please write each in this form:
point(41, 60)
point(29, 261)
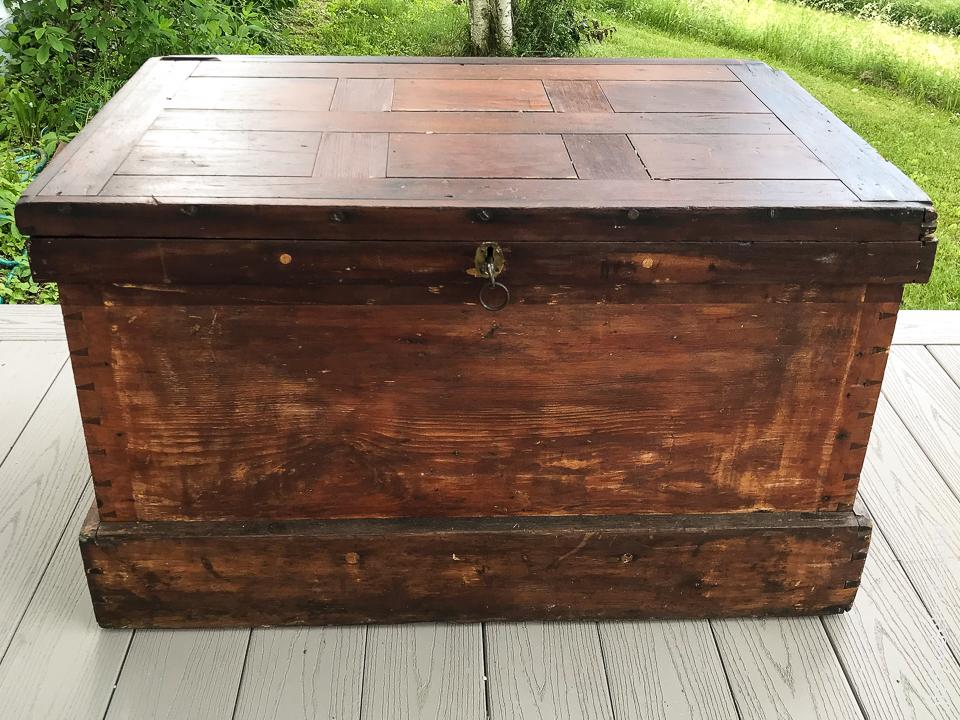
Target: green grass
point(376, 27)
point(938, 16)
point(919, 65)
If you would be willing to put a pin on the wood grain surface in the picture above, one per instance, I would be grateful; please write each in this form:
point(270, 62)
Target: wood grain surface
point(892, 651)
point(920, 516)
point(197, 574)
point(171, 674)
point(40, 480)
point(540, 670)
point(784, 668)
point(416, 430)
point(665, 670)
point(302, 674)
point(428, 671)
point(927, 400)
point(460, 120)
point(60, 664)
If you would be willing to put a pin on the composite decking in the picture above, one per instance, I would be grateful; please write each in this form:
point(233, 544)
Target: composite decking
point(895, 655)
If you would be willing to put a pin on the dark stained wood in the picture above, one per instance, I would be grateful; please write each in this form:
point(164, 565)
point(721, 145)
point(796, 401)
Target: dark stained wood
point(465, 69)
point(447, 410)
point(472, 122)
point(254, 94)
point(729, 157)
point(576, 96)
point(103, 145)
point(240, 574)
point(842, 150)
point(478, 156)
point(593, 267)
point(352, 155)
point(358, 94)
point(365, 219)
point(297, 410)
point(451, 95)
point(668, 96)
point(604, 157)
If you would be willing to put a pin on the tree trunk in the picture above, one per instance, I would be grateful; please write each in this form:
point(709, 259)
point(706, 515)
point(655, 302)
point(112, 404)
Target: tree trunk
point(491, 25)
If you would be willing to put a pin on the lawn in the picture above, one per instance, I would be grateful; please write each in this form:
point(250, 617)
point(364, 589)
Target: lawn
point(899, 88)
point(939, 16)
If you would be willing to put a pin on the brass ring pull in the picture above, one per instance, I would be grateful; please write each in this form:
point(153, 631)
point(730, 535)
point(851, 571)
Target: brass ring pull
point(489, 263)
point(485, 292)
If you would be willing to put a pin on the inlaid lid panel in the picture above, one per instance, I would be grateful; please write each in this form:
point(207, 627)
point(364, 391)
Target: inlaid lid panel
point(216, 147)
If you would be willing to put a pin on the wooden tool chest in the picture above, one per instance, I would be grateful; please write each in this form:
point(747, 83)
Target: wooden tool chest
point(396, 339)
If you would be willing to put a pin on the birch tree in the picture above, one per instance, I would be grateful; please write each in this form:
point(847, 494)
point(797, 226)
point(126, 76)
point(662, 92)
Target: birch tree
point(491, 25)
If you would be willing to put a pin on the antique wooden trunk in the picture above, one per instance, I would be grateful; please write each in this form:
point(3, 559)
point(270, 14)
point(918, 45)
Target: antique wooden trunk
point(392, 339)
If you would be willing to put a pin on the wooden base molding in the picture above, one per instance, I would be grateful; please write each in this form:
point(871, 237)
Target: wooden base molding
point(175, 574)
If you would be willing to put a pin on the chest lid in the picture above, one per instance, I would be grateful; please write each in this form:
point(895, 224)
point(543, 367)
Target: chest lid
point(441, 149)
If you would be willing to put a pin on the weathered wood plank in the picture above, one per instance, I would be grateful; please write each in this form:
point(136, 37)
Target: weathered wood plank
point(478, 156)
point(60, 665)
point(24, 323)
point(93, 156)
point(417, 94)
point(671, 96)
point(427, 671)
point(471, 122)
point(539, 670)
point(172, 674)
point(40, 481)
point(197, 574)
point(840, 148)
point(303, 674)
point(928, 401)
point(784, 668)
point(27, 369)
point(665, 670)
point(394, 441)
point(894, 655)
point(469, 69)
point(919, 515)
point(244, 93)
point(927, 327)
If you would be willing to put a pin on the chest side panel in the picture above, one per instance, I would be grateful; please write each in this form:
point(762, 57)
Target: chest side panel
point(244, 410)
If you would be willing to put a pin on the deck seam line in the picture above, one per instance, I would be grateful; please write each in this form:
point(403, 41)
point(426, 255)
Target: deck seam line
point(46, 566)
point(913, 436)
point(363, 671)
point(243, 671)
point(116, 680)
point(878, 529)
point(606, 671)
point(488, 706)
point(942, 366)
point(843, 668)
point(726, 673)
point(34, 411)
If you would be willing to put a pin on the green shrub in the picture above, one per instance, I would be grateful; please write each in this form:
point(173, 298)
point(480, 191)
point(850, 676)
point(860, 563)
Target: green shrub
point(552, 28)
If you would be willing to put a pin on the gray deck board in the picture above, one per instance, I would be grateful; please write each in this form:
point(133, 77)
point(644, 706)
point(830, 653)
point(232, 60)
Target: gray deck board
point(784, 668)
point(40, 481)
point(539, 671)
point(180, 674)
point(25, 323)
point(60, 664)
point(26, 373)
point(918, 515)
point(430, 671)
point(665, 671)
point(303, 673)
point(893, 656)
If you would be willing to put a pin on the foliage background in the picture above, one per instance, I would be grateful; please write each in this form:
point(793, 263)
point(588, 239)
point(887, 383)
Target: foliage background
point(873, 62)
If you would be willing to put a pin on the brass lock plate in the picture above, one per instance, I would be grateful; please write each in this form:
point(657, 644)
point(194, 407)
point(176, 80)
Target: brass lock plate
point(486, 253)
